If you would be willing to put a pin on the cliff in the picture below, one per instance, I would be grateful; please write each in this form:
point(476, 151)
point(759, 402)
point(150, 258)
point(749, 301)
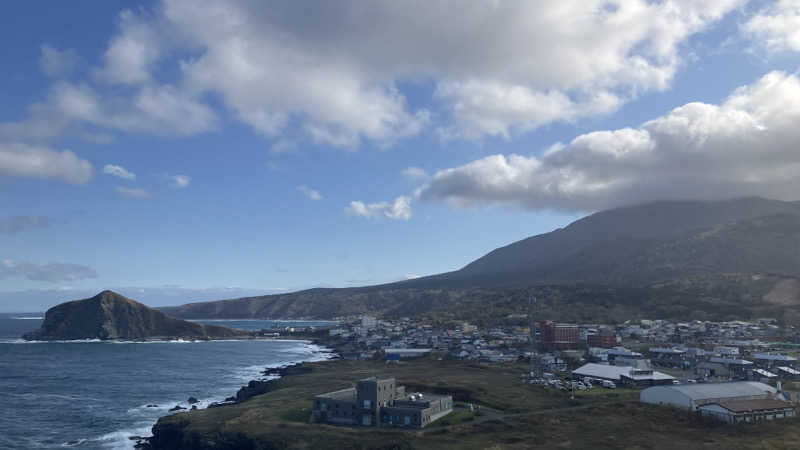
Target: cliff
point(109, 315)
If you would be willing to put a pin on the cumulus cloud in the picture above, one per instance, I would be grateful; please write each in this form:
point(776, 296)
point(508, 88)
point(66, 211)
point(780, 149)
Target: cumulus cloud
point(415, 173)
point(132, 52)
point(137, 193)
point(22, 160)
point(57, 63)
point(335, 68)
point(310, 193)
point(180, 181)
point(51, 272)
point(400, 209)
point(157, 110)
point(776, 26)
point(16, 224)
point(118, 171)
point(746, 145)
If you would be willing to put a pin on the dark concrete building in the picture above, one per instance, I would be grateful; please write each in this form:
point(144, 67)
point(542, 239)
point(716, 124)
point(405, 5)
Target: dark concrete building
point(559, 336)
point(380, 402)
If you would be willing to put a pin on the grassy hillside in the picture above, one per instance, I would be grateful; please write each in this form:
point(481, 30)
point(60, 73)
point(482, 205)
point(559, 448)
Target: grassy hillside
point(513, 415)
point(717, 297)
point(672, 260)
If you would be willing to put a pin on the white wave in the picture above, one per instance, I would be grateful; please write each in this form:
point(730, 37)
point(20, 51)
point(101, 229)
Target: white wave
point(28, 318)
point(120, 440)
point(74, 341)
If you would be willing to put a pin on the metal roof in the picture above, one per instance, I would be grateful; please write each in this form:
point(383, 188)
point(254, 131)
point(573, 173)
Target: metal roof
point(766, 404)
point(774, 357)
point(616, 372)
point(764, 373)
point(703, 391)
point(789, 370)
point(740, 362)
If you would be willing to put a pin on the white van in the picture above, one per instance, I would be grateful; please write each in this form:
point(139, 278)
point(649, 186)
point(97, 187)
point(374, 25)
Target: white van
point(609, 384)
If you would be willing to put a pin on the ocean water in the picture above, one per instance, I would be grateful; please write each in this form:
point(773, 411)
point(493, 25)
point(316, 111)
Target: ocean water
point(91, 394)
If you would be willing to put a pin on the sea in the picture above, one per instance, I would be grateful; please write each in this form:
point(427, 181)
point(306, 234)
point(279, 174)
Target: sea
point(92, 394)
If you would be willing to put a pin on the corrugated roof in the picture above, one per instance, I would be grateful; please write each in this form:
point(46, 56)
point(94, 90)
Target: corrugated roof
point(774, 357)
point(702, 391)
point(616, 372)
point(741, 362)
point(789, 370)
point(740, 406)
point(765, 373)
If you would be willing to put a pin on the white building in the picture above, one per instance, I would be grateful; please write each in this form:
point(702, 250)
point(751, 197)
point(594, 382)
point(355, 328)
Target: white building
point(622, 374)
point(691, 396)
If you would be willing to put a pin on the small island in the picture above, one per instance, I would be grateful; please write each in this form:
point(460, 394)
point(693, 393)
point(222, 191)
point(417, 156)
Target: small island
point(109, 316)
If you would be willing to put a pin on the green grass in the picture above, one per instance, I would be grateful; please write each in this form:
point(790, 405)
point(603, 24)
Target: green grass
point(456, 417)
point(513, 415)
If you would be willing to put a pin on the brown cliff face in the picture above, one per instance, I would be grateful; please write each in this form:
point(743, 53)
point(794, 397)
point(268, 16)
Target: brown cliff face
point(109, 315)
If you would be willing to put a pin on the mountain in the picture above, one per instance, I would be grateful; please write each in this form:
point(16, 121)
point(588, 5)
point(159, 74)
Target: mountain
point(109, 315)
point(617, 252)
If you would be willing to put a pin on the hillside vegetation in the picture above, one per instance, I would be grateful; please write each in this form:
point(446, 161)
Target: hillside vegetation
point(675, 260)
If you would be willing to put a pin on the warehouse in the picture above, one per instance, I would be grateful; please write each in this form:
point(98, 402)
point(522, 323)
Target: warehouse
point(622, 374)
point(738, 411)
point(691, 396)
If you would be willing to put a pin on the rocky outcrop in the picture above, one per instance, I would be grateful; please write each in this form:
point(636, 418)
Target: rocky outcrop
point(109, 315)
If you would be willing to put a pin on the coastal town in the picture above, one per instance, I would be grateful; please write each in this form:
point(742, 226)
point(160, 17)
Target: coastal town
point(730, 371)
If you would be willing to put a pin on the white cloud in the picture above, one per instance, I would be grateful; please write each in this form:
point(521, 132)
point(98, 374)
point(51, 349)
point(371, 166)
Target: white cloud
point(131, 53)
point(283, 146)
point(180, 181)
point(22, 160)
point(16, 224)
point(137, 193)
point(400, 209)
point(157, 110)
point(57, 63)
point(310, 193)
point(745, 146)
point(335, 68)
point(51, 272)
point(118, 171)
point(415, 173)
point(776, 26)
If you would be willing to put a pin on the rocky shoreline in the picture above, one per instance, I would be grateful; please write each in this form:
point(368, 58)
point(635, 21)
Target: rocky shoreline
point(163, 436)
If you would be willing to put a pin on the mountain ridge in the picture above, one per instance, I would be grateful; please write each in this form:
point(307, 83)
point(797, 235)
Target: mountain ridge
point(637, 246)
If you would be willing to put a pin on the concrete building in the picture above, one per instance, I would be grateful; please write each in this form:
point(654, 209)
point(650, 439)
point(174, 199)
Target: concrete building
point(605, 338)
point(622, 374)
point(559, 336)
point(738, 411)
point(692, 396)
point(380, 402)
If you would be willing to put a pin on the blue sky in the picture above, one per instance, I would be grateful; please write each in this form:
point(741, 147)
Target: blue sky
point(180, 153)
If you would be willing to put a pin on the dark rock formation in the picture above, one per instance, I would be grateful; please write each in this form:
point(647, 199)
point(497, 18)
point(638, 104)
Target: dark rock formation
point(109, 315)
point(192, 400)
point(176, 408)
